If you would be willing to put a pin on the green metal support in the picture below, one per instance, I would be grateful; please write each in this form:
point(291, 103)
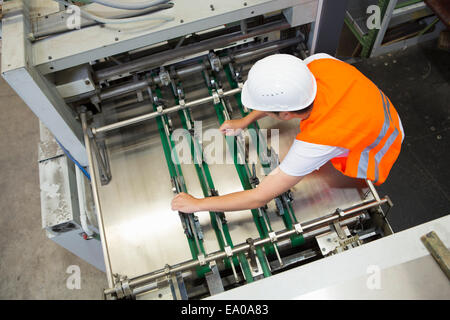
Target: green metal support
point(373, 33)
point(361, 39)
point(176, 173)
point(262, 261)
point(367, 41)
point(407, 3)
point(207, 185)
point(261, 220)
point(286, 211)
point(428, 27)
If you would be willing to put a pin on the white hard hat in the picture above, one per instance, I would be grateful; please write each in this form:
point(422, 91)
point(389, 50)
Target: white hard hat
point(280, 82)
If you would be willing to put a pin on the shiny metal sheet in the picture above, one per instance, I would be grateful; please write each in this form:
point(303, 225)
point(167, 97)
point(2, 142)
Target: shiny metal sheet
point(144, 234)
point(141, 230)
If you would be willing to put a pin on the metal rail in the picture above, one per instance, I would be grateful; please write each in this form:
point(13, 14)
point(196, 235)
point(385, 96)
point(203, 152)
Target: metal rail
point(166, 111)
point(240, 57)
point(259, 215)
point(218, 220)
point(285, 207)
point(338, 215)
point(87, 143)
point(159, 59)
point(188, 222)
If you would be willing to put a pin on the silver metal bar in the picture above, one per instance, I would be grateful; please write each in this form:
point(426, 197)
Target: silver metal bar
point(367, 206)
point(95, 196)
point(240, 57)
point(159, 59)
point(125, 88)
point(155, 114)
point(384, 26)
point(373, 190)
point(281, 235)
point(243, 26)
point(59, 22)
point(194, 233)
point(187, 71)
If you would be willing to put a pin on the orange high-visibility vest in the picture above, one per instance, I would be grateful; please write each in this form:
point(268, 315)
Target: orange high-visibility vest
point(351, 112)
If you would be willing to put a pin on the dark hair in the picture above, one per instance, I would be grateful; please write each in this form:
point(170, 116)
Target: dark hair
point(299, 112)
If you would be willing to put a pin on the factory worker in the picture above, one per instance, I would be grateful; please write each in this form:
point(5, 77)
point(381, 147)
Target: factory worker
point(345, 119)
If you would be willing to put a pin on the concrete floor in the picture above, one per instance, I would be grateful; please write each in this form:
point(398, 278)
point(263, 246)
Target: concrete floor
point(417, 81)
point(31, 266)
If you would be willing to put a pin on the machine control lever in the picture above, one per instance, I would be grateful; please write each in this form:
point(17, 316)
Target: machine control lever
point(164, 77)
point(229, 253)
point(254, 180)
point(251, 254)
point(279, 205)
point(214, 61)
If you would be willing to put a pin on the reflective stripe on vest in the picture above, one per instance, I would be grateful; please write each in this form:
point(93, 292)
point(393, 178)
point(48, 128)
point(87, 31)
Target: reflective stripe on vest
point(364, 160)
point(351, 112)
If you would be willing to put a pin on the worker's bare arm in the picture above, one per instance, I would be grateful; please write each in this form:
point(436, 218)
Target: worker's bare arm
point(254, 116)
point(233, 127)
point(273, 185)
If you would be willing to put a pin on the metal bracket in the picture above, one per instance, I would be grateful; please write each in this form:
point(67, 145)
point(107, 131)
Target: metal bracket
point(122, 287)
point(214, 61)
point(213, 280)
point(95, 100)
point(288, 196)
point(254, 180)
point(101, 155)
point(298, 228)
point(279, 206)
point(217, 95)
point(251, 254)
point(164, 77)
point(169, 124)
point(389, 201)
point(198, 227)
point(174, 186)
point(274, 160)
point(201, 259)
point(237, 75)
point(167, 270)
point(340, 212)
point(180, 92)
point(228, 251)
point(181, 286)
point(216, 98)
point(126, 287)
point(337, 227)
point(182, 103)
point(213, 192)
point(273, 237)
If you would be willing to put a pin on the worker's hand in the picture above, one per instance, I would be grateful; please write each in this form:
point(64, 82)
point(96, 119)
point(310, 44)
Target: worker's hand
point(232, 127)
point(185, 203)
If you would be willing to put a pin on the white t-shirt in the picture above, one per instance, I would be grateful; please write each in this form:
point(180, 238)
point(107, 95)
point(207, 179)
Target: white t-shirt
point(305, 157)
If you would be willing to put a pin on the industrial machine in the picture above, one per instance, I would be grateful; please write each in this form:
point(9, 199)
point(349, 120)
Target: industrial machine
point(111, 99)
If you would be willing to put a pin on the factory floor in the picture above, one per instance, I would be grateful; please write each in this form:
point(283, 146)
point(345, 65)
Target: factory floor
point(31, 266)
point(416, 80)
